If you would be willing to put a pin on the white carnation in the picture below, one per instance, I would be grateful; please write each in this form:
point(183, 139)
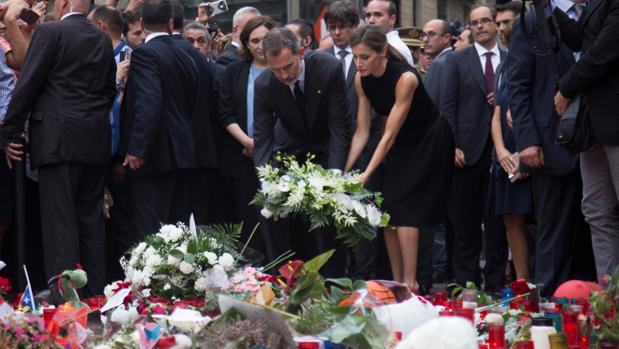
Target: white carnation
point(137, 278)
point(212, 257)
point(374, 215)
point(154, 260)
point(226, 261)
point(186, 268)
point(201, 284)
point(171, 232)
point(108, 291)
point(266, 213)
point(173, 260)
point(359, 208)
point(120, 316)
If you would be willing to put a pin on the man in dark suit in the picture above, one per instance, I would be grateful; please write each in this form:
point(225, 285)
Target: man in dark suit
point(70, 137)
point(596, 78)
point(205, 112)
point(240, 18)
point(156, 129)
point(300, 107)
point(554, 175)
point(467, 104)
point(436, 38)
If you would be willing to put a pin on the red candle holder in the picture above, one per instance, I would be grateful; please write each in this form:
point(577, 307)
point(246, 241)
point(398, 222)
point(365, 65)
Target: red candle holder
point(48, 315)
point(496, 336)
point(524, 345)
point(440, 298)
point(585, 305)
point(466, 313)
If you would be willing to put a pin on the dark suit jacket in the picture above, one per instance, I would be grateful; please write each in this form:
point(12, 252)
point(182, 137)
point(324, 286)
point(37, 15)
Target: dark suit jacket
point(531, 91)
point(351, 94)
point(432, 79)
point(464, 103)
point(322, 129)
point(233, 109)
point(158, 107)
point(67, 86)
point(205, 109)
point(230, 54)
point(596, 74)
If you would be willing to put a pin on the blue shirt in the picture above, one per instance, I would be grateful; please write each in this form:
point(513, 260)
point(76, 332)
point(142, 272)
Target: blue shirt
point(115, 113)
point(254, 71)
point(7, 83)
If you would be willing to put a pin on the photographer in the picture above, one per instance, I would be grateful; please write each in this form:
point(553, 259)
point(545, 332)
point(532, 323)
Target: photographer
point(596, 78)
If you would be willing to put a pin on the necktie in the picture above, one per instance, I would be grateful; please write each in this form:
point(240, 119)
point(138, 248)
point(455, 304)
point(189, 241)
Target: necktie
point(298, 96)
point(489, 73)
point(343, 54)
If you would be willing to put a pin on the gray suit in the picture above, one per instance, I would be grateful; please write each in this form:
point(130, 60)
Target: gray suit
point(432, 79)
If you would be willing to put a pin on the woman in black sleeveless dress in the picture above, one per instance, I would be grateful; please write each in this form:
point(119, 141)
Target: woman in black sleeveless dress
point(415, 154)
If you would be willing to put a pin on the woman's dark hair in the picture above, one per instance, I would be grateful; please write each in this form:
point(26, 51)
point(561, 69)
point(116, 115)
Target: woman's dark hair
point(374, 37)
point(252, 25)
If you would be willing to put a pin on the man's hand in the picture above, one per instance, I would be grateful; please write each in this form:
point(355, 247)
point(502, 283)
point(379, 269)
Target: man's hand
point(533, 156)
point(133, 162)
point(202, 16)
point(510, 121)
point(248, 149)
point(561, 103)
point(122, 71)
point(459, 158)
point(490, 98)
point(11, 10)
point(118, 174)
point(13, 152)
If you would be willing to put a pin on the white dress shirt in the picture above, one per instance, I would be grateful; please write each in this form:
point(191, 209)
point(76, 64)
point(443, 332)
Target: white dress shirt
point(300, 79)
point(154, 35)
point(70, 14)
point(347, 60)
point(393, 38)
point(495, 59)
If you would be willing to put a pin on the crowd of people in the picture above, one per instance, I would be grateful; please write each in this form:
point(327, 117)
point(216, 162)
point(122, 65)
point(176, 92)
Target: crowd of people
point(129, 119)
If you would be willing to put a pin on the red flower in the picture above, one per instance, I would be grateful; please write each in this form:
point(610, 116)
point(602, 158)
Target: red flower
point(160, 310)
point(520, 287)
point(164, 301)
point(5, 287)
point(290, 271)
point(121, 285)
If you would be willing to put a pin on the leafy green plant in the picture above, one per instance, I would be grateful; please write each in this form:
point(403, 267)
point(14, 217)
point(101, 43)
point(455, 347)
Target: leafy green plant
point(604, 305)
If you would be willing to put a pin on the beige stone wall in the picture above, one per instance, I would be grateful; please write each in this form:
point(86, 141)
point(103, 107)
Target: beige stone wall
point(427, 10)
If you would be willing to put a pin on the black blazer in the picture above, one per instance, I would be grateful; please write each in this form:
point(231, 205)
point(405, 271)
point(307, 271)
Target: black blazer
point(157, 109)
point(322, 129)
point(67, 86)
point(230, 54)
point(596, 74)
point(205, 109)
point(233, 109)
point(531, 81)
point(464, 104)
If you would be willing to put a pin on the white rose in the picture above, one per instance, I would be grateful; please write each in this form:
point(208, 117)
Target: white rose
point(212, 258)
point(226, 261)
point(266, 213)
point(374, 215)
point(166, 287)
point(173, 260)
point(150, 251)
point(154, 261)
point(185, 268)
point(201, 284)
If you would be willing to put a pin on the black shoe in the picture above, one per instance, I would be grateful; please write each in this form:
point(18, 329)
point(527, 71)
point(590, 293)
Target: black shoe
point(424, 289)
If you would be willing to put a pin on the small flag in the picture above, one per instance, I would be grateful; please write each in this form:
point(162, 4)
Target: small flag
point(26, 304)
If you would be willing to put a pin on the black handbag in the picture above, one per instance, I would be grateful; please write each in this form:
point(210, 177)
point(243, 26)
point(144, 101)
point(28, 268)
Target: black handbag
point(574, 131)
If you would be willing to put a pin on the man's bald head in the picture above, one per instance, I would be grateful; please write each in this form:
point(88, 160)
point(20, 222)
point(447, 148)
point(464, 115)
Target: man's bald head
point(436, 37)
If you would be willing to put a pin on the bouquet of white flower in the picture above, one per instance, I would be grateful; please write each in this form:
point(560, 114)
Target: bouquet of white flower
point(178, 261)
point(326, 197)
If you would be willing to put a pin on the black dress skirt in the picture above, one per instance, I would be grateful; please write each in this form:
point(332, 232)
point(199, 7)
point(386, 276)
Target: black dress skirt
point(417, 171)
